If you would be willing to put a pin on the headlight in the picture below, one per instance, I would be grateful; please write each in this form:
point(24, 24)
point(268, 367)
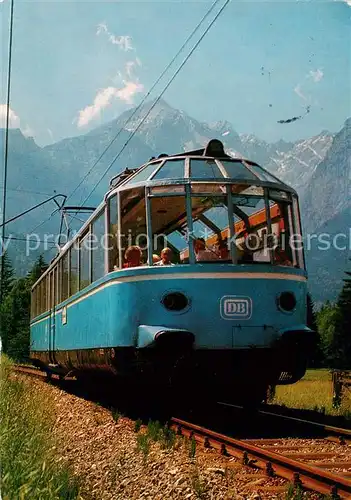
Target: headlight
point(286, 301)
point(175, 301)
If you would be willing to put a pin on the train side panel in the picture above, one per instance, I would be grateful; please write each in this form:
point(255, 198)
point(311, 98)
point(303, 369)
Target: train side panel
point(229, 309)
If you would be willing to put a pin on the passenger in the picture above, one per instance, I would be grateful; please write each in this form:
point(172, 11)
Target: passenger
point(222, 246)
point(133, 257)
point(281, 258)
point(202, 253)
point(155, 258)
point(166, 255)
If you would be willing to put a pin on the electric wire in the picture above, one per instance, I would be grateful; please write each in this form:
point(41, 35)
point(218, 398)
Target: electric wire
point(2, 253)
point(158, 98)
point(19, 190)
point(145, 97)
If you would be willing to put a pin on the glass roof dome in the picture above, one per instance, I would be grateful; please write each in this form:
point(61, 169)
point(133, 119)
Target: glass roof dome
point(210, 164)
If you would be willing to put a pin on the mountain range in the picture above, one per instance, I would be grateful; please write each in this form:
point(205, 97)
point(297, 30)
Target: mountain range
point(319, 168)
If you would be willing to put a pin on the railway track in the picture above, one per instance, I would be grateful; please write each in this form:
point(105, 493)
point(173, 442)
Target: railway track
point(342, 434)
point(36, 372)
point(314, 475)
point(326, 471)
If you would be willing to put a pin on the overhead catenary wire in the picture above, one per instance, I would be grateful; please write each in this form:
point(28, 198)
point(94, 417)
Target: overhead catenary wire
point(144, 98)
point(2, 252)
point(19, 190)
point(47, 219)
point(16, 238)
point(158, 98)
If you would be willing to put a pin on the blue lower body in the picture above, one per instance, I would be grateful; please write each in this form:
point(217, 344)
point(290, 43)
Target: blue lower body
point(230, 324)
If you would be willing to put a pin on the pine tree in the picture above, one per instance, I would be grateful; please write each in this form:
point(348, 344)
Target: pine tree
point(311, 315)
point(15, 316)
point(37, 270)
point(7, 275)
point(316, 356)
point(327, 320)
point(6, 285)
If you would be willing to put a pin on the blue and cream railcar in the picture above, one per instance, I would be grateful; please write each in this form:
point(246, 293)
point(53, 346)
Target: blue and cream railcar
point(230, 311)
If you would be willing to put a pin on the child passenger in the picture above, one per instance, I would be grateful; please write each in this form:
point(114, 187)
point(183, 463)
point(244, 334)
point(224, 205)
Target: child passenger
point(133, 257)
point(166, 256)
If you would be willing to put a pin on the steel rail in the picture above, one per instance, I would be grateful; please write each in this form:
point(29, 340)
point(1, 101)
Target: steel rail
point(335, 430)
point(305, 475)
point(37, 372)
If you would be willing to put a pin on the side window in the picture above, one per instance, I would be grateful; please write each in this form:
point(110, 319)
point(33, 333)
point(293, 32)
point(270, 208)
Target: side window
point(74, 253)
point(298, 231)
point(32, 308)
point(58, 281)
point(52, 289)
point(98, 246)
point(210, 227)
point(40, 301)
point(84, 261)
point(169, 228)
point(65, 284)
point(48, 289)
point(56, 285)
point(44, 294)
point(113, 254)
point(133, 227)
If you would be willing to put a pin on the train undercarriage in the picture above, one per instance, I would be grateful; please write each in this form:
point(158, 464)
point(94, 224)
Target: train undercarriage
point(175, 368)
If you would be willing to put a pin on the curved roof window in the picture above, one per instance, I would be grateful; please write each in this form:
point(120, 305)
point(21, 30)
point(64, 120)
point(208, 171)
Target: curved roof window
point(171, 169)
point(204, 169)
point(264, 175)
point(237, 170)
point(145, 173)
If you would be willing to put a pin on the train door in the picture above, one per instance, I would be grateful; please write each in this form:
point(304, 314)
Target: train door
point(52, 321)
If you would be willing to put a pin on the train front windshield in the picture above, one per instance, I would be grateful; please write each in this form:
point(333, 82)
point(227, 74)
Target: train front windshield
point(207, 221)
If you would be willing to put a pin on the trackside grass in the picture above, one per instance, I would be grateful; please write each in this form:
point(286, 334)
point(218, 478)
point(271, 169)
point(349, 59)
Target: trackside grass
point(27, 446)
point(313, 392)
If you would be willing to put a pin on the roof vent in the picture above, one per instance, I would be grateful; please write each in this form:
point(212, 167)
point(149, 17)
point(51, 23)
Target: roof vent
point(215, 148)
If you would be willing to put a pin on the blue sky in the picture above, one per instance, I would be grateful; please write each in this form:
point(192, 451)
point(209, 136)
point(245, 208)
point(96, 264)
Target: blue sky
point(79, 64)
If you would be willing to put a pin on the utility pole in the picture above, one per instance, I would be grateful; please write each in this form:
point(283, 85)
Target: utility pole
point(6, 152)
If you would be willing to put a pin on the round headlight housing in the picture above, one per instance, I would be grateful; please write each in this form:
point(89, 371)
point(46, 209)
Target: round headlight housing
point(286, 301)
point(175, 301)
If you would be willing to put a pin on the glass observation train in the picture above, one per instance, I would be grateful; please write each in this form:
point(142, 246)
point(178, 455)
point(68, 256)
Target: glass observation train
point(190, 274)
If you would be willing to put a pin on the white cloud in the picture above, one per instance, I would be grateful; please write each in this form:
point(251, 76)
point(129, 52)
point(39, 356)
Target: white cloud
point(104, 97)
point(123, 41)
point(129, 90)
point(318, 74)
point(101, 101)
point(298, 91)
point(125, 85)
point(14, 121)
point(50, 134)
point(27, 131)
point(315, 75)
point(129, 67)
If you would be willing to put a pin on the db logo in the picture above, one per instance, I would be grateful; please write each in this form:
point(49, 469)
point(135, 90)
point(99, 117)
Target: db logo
point(235, 307)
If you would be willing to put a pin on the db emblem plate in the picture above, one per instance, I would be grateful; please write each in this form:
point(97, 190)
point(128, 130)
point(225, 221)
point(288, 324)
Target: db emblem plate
point(236, 307)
